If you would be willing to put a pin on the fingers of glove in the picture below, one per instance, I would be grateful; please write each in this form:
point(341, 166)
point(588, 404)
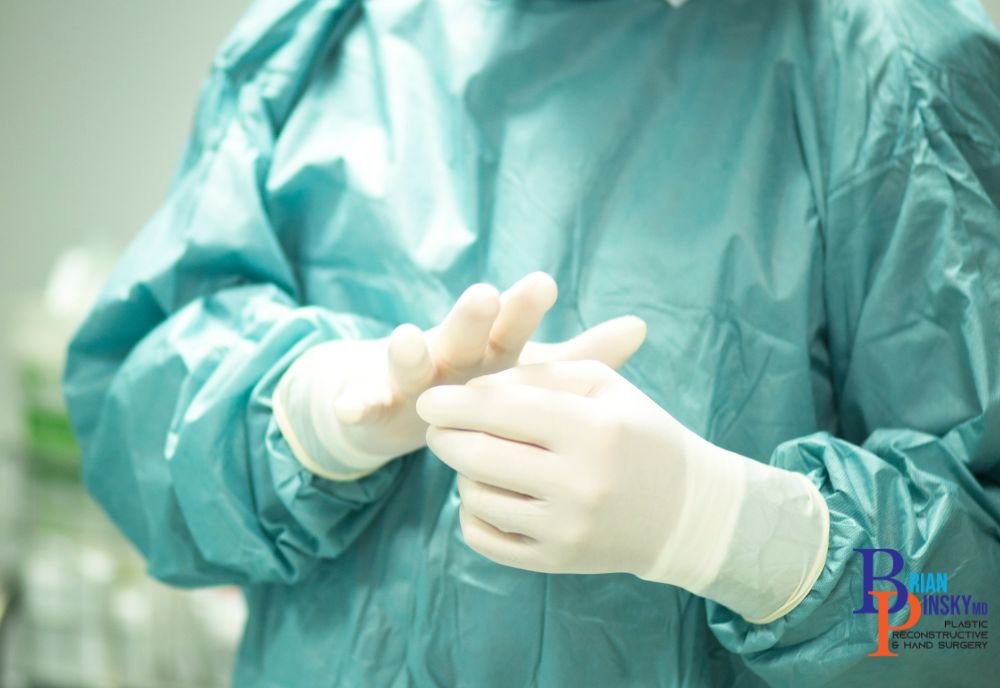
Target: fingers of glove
point(522, 308)
point(612, 342)
point(460, 343)
point(547, 418)
point(582, 378)
point(411, 369)
point(508, 511)
point(519, 468)
point(509, 549)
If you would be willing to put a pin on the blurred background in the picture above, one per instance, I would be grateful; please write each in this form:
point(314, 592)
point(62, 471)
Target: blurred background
point(96, 100)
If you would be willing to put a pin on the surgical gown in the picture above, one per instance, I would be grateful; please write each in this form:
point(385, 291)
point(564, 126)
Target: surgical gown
point(800, 198)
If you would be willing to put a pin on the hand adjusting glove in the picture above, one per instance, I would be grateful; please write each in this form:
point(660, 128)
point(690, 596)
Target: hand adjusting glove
point(569, 468)
point(347, 407)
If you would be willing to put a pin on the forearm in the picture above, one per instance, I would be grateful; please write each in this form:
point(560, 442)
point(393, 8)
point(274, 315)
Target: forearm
point(901, 490)
point(184, 453)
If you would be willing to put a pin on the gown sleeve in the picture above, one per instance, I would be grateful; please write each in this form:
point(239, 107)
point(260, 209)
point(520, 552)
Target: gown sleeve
point(169, 379)
point(912, 293)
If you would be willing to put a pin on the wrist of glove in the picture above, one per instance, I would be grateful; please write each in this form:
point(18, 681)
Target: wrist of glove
point(568, 468)
point(749, 536)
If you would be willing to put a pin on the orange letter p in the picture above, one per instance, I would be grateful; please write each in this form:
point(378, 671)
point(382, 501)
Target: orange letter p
point(883, 620)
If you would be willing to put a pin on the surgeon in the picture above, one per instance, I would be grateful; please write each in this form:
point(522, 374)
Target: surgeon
point(569, 343)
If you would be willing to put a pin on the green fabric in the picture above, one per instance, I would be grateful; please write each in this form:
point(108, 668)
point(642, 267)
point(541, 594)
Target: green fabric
point(801, 198)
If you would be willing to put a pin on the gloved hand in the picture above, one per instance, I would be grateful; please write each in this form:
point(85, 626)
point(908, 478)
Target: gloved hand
point(347, 407)
point(569, 468)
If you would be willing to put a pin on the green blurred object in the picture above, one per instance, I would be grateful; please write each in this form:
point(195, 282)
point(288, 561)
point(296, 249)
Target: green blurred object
point(43, 324)
point(52, 450)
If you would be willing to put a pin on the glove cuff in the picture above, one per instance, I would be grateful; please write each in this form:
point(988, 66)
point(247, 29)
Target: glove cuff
point(303, 411)
point(812, 533)
point(778, 546)
point(750, 536)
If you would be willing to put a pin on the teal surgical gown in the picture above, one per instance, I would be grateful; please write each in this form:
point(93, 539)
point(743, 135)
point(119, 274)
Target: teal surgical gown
point(799, 197)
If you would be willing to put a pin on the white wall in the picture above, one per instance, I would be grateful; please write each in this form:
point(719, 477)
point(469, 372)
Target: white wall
point(96, 102)
point(96, 98)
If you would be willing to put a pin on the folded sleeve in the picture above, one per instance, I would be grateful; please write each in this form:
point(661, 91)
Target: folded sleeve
point(169, 379)
point(912, 293)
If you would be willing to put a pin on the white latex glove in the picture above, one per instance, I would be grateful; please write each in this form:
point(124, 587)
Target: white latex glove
point(347, 407)
point(569, 468)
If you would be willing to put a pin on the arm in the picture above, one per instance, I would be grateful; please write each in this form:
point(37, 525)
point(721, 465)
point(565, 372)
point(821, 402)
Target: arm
point(169, 380)
point(912, 292)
